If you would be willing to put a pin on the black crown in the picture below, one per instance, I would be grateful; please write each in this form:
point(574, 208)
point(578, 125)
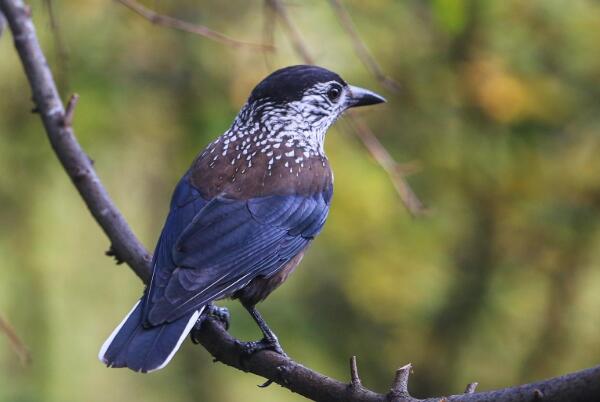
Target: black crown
point(289, 83)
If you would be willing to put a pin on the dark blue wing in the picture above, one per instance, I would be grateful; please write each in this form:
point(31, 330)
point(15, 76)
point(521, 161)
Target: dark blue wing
point(227, 244)
point(186, 203)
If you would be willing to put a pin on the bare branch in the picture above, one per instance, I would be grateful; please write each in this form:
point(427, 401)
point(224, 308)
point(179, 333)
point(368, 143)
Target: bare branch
point(15, 342)
point(583, 385)
point(62, 138)
point(62, 55)
point(293, 33)
point(170, 22)
point(359, 127)
point(381, 155)
point(268, 34)
point(361, 49)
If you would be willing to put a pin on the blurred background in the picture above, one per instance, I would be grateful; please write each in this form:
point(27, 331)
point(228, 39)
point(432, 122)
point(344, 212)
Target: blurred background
point(499, 107)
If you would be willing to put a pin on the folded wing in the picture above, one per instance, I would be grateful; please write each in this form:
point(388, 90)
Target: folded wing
point(224, 245)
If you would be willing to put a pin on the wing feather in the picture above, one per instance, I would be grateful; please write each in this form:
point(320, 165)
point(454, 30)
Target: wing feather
point(211, 249)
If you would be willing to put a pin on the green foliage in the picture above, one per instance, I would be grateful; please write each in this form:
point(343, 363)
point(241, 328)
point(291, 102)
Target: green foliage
point(500, 285)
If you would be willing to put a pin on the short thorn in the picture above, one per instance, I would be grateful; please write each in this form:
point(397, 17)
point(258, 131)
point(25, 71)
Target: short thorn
point(538, 395)
point(471, 388)
point(354, 378)
point(70, 110)
point(400, 384)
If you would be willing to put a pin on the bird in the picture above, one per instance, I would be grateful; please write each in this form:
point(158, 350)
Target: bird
point(242, 216)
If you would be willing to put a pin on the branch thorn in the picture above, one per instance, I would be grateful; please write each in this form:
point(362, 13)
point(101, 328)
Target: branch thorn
point(354, 378)
point(400, 384)
point(471, 388)
point(70, 111)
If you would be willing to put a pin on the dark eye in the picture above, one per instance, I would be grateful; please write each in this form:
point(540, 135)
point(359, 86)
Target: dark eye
point(334, 93)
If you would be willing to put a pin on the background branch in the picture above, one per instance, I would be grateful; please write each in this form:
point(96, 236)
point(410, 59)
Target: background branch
point(292, 31)
point(76, 163)
point(170, 22)
point(360, 129)
point(361, 49)
point(15, 342)
point(60, 48)
point(581, 386)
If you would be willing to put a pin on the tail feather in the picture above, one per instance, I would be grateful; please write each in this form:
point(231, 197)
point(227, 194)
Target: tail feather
point(145, 349)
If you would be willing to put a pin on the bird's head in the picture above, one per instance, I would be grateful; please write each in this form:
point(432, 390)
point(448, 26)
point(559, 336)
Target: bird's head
point(302, 101)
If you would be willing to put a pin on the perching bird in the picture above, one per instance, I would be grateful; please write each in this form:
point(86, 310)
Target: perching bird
point(242, 216)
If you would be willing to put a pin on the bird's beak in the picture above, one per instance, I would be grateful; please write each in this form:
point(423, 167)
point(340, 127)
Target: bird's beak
point(362, 97)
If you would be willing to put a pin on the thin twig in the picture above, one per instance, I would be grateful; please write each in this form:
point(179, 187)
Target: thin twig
point(381, 155)
point(15, 342)
point(293, 32)
point(62, 54)
point(268, 34)
point(359, 127)
point(361, 49)
point(170, 22)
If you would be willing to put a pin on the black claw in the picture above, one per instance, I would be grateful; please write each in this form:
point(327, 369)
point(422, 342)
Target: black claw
point(249, 348)
point(265, 384)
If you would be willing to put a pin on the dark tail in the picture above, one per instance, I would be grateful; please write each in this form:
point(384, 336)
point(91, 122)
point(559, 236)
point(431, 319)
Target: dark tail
point(145, 349)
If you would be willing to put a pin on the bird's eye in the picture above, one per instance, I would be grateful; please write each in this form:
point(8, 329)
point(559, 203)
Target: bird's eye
point(334, 93)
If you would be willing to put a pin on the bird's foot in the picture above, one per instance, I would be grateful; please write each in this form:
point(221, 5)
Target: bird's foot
point(249, 348)
point(219, 313)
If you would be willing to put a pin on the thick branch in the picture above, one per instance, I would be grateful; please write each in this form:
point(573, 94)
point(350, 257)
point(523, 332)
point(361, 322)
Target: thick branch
point(69, 152)
point(580, 386)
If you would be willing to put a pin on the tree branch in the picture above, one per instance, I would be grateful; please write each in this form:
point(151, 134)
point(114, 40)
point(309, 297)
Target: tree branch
point(581, 386)
point(76, 163)
point(359, 128)
point(170, 22)
point(2, 24)
point(292, 31)
point(15, 342)
point(361, 49)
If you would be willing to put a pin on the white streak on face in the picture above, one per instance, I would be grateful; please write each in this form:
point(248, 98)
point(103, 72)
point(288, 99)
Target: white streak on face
point(300, 125)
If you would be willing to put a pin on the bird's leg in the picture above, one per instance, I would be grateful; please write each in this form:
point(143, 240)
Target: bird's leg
point(210, 310)
point(269, 340)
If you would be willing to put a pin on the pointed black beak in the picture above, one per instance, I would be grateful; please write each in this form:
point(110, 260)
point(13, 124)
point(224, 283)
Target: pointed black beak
point(363, 97)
